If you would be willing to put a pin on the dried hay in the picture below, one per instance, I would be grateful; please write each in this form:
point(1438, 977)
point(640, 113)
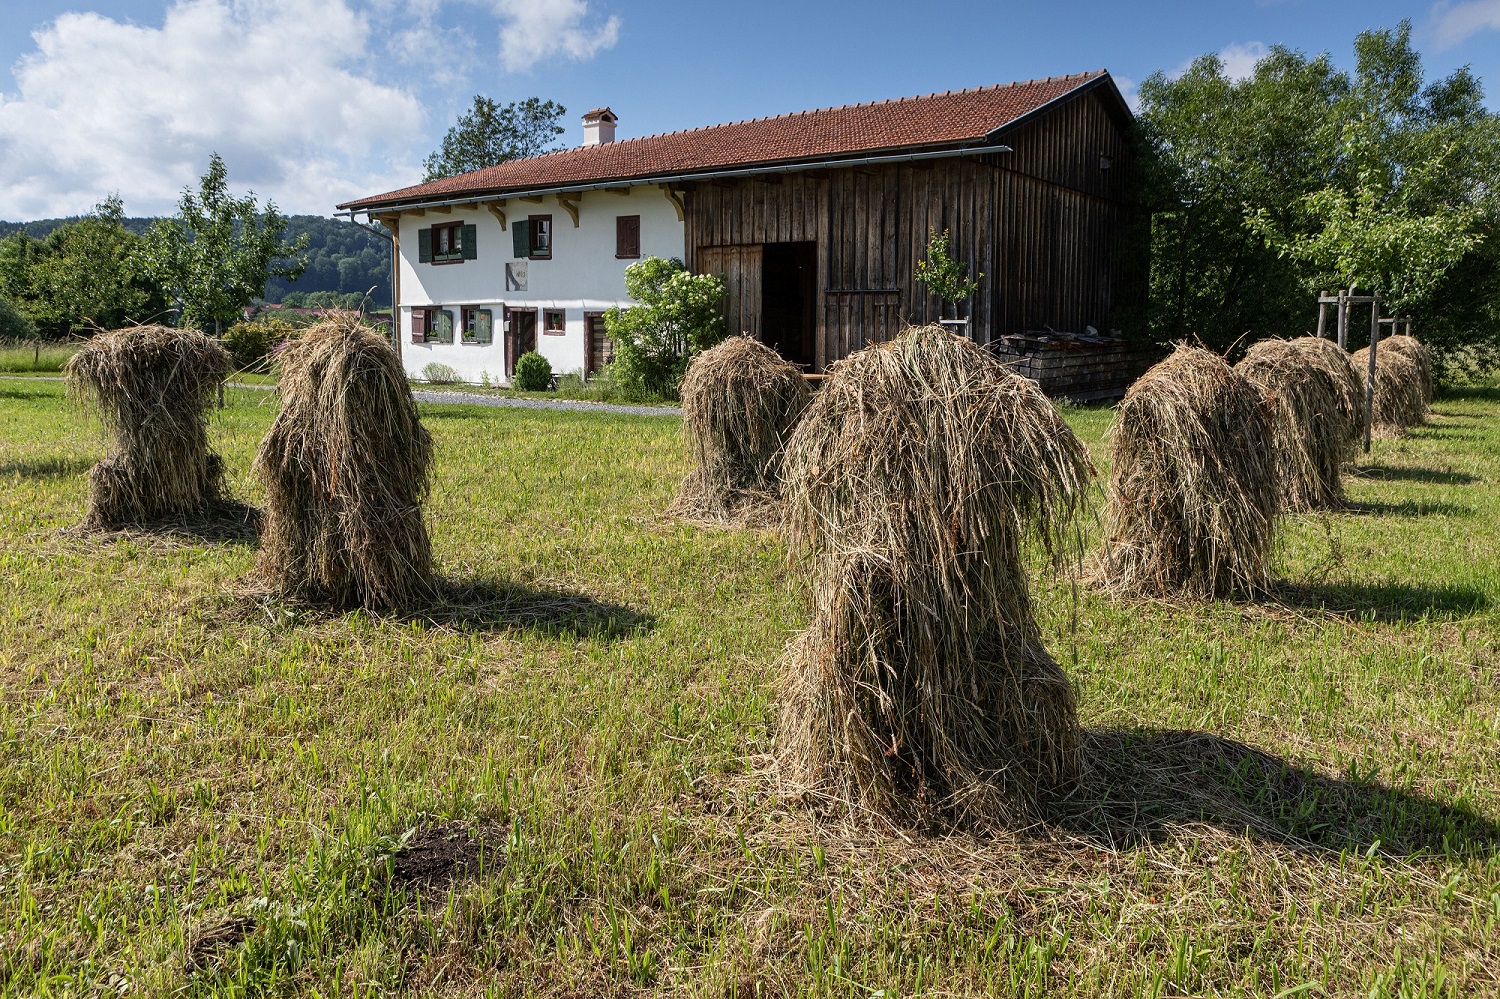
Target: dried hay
point(152, 386)
point(921, 689)
point(1314, 397)
point(1192, 497)
point(1419, 352)
point(740, 400)
point(1398, 400)
point(346, 466)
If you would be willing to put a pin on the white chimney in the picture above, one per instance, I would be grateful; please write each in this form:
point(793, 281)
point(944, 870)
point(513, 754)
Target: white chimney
point(599, 127)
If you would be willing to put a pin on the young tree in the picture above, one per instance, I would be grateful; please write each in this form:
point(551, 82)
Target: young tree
point(678, 318)
point(218, 252)
point(944, 276)
point(492, 133)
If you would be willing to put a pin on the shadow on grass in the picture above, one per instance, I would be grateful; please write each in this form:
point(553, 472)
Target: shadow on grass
point(1470, 393)
point(1387, 602)
point(1148, 782)
point(1394, 473)
point(225, 522)
point(23, 394)
point(1408, 508)
point(477, 605)
point(46, 468)
point(447, 411)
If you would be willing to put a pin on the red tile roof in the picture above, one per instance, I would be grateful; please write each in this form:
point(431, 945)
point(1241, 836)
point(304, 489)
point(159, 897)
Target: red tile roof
point(935, 120)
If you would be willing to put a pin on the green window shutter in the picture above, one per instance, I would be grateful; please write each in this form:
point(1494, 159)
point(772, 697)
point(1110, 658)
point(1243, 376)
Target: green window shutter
point(424, 246)
point(482, 327)
point(520, 232)
point(471, 242)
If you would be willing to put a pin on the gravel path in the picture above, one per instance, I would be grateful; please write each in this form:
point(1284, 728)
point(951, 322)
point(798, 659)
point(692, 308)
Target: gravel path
point(577, 405)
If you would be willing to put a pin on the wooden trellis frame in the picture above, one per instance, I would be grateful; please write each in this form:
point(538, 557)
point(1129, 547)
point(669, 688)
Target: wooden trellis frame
point(1343, 301)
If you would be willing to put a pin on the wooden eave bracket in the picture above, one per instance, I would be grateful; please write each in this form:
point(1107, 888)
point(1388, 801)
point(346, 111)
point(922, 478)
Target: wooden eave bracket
point(570, 205)
point(676, 199)
point(497, 209)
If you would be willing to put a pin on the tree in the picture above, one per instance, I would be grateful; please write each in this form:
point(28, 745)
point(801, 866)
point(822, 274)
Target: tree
point(86, 274)
point(491, 133)
point(678, 318)
point(218, 252)
point(13, 324)
point(944, 276)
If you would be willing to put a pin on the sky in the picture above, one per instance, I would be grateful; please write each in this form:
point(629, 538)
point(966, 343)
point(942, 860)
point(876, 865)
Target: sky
point(313, 102)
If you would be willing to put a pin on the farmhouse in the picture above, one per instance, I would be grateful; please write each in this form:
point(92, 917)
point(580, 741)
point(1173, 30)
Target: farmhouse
point(816, 221)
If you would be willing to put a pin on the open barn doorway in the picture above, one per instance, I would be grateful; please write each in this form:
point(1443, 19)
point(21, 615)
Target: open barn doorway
point(789, 273)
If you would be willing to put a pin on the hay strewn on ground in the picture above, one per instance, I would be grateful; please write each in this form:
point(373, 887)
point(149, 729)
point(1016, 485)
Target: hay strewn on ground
point(1316, 419)
point(152, 386)
point(346, 466)
point(1418, 352)
point(1399, 400)
point(921, 689)
point(1192, 494)
point(740, 399)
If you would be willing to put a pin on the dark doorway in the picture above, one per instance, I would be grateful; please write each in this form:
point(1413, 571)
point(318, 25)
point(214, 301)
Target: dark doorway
point(520, 337)
point(788, 290)
point(598, 349)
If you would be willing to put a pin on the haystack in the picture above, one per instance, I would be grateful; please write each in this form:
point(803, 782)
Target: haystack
point(1314, 397)
point(739, 402)
point(1399, 400)
point(1192, 494)
point(346, 466)
point(1418, 352)
point(921, 689)
point(153, 387)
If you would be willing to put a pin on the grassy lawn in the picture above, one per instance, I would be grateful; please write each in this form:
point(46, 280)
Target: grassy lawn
point(27, 357)
point(201, 795)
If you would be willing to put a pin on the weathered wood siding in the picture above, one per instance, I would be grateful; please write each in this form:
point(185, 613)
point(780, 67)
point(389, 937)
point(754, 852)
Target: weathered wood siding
point(1043, 224)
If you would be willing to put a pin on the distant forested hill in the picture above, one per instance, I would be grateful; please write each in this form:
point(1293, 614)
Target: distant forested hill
point(341, 257)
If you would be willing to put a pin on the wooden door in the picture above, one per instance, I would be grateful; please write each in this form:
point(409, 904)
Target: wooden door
point(520, 337)
point(740, 268)
point(598, 349)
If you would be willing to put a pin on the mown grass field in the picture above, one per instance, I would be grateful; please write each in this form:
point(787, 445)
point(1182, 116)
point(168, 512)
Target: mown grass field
point(203, 795)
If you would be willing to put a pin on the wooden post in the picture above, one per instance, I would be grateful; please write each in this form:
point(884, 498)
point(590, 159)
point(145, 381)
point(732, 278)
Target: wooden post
point(1370, 375)
point(1322, 315)
point(1343, 320)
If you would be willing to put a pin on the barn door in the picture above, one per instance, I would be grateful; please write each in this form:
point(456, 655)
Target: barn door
point(740, 268)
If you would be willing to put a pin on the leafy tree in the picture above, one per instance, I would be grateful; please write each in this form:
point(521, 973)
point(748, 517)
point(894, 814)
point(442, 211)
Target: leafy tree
point(679, 317)
point(85, 274)
point(944, 276)
point(492, 133)
point(13, 324)
point(218, 252)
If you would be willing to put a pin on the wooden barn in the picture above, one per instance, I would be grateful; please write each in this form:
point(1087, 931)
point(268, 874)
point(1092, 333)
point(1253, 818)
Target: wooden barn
point(816, 220)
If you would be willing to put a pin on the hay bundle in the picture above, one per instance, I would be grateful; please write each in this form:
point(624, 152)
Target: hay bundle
point(1314, 399)
point(921, 687)
point(346, 466)
point(152, 386)
point(739, 402)
point(1418, 352)
point(1192, 493)
point(1398, 400)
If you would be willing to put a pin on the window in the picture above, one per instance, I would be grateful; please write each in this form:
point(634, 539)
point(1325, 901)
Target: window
point(478, 326)
point(449, 243)
point(555, 322)
point(540, 228)
point(431, 326)
point(627, 236)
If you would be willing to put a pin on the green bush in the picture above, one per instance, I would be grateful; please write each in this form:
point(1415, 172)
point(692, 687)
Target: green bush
point(251, 342)
point(677, 319)
point(533, 372)
point(13, 325)
point(439, 374)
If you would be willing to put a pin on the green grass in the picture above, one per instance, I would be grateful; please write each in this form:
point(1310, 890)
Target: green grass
point(25, 357)
point(174, 757)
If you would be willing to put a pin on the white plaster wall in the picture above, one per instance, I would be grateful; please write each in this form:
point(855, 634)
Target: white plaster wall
point(582, 276)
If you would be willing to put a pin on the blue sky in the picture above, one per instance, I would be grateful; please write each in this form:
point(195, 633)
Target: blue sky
point(316, 101)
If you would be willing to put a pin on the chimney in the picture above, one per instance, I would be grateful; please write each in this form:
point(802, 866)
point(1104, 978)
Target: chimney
point(599, 127)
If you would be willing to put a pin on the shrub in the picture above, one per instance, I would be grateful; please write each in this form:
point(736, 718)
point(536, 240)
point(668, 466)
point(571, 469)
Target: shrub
point(533, 372)
point(251, 342)
point(440, 374)
point(677, 319)
point(14, 325)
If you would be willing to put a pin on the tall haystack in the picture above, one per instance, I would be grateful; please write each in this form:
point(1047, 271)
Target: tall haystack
point(1418, 352)
point(1399, 400)
point(346, 466)
point(1315, 405)
point(153, 387)
point(1192, 496)
point(739, 402)
point(922, 689)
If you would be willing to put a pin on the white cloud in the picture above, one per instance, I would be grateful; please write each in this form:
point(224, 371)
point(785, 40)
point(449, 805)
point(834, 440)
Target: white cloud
point(1238, 59)
point(1452, 24)
point(280, 88)
point(533, 30)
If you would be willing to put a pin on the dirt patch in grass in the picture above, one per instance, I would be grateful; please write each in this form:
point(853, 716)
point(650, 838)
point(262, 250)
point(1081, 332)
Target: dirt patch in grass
point(209, 943)
point(444, 853)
